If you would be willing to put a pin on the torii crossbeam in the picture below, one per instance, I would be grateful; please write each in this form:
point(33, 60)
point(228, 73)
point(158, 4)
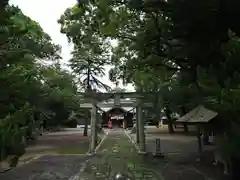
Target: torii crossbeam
point(94, 100)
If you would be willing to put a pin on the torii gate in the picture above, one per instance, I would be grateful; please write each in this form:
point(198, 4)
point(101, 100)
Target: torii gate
point(94, 101)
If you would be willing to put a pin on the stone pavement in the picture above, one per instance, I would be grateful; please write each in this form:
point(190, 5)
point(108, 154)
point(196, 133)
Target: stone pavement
point(118, 154)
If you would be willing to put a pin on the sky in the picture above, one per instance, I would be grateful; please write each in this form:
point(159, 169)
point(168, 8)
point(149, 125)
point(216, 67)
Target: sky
point(46, 13)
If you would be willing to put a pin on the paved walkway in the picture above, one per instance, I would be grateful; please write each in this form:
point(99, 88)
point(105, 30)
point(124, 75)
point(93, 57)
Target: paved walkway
point(118, 154)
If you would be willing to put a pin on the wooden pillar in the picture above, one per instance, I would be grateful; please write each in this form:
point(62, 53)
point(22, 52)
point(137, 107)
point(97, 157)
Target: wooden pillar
point(142, 145)
point(93, 142)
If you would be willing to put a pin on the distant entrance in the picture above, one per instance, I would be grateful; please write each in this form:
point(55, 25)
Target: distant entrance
point(117, 121)
point(117, 118)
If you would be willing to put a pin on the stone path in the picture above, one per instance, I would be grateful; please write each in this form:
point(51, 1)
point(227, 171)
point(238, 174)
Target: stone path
point(117, 154)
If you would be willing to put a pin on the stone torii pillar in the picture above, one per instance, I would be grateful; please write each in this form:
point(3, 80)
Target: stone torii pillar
point(93, 141)
point(142, 145)
point(137, 125)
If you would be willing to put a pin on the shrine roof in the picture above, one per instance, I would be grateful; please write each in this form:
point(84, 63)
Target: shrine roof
point(198, 115)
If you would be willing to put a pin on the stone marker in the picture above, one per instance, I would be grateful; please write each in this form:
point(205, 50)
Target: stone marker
point(158, 146)
point(158, 152)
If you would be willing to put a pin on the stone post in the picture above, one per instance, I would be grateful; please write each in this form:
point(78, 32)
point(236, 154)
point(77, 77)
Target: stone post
point(93, 142)
point(142, 145)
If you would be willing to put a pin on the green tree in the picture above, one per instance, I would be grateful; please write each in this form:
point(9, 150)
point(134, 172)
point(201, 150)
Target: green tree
point(198, 48)
point(91, 52)
point(27, 85)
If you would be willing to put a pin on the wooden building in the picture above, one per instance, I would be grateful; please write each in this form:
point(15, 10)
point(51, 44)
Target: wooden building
point(118, 116)
point(205, 121)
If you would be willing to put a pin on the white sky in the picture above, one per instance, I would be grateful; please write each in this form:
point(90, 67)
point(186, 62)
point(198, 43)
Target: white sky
point(46, 13)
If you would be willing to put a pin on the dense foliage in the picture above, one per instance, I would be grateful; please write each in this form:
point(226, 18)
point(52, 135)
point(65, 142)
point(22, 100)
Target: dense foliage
point(91, 52)
point(35, 91)
point(186, 50)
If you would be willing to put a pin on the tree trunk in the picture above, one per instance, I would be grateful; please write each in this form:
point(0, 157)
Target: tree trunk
point(170, 122)
point(206, 135)
point(235, 168)
point(88, 79)
point(185, 126)
point(85, 132)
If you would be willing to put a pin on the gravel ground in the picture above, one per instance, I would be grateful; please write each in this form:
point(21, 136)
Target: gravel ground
point(180, 161)
point(47, 168)
point(69, 141)
point(117, 154)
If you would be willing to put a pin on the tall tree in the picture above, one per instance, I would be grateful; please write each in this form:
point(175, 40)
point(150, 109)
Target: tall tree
point(26, 88)
point(163, 34)
point(91, 51)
